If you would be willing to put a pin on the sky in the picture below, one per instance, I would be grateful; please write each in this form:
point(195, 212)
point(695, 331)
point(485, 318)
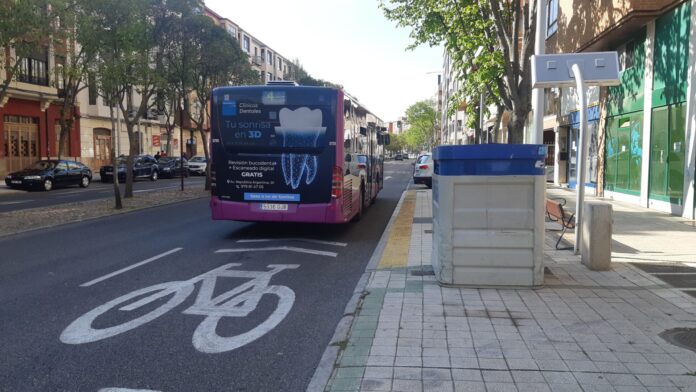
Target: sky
point(348, 42)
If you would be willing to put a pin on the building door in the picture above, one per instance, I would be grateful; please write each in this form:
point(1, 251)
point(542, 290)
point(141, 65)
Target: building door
point(21, 142)
point(667, 145)
point(102, 147)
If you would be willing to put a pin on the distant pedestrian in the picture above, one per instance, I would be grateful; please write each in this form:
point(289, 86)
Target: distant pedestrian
point(163, 154)
point(157, 155)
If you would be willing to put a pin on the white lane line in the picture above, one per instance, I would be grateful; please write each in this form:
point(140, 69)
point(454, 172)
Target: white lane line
point(333, 243)
point(136, 265)
point(7, 203)
point(155, 189)
point(286, 248)
point(126, 390)
point(387, 178)
point(70, 193)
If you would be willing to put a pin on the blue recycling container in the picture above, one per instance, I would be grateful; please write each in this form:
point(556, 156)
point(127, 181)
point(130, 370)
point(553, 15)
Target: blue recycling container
point(488, 221)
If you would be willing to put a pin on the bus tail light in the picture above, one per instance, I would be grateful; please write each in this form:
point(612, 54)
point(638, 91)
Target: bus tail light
point(337, 182)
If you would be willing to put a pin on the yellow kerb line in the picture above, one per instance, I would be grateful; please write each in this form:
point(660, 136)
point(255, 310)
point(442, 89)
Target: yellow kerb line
point(396, 252)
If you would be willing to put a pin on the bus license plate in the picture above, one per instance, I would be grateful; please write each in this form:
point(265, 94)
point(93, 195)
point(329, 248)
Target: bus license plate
point(274, 207)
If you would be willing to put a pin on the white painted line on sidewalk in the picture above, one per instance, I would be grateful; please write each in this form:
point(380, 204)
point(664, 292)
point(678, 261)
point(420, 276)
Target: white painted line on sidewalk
point(71, 192)
point(136, 265)
point(8, 203)
point(286, 248)
point(387, 178)
point(157, 189)
point(333, 243)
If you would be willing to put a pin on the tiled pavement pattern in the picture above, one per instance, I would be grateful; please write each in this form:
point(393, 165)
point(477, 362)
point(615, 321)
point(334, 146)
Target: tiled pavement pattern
point(585, 331)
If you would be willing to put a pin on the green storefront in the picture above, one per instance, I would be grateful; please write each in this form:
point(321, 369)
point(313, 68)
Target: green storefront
point(624, 127)
point(624, 151)
point(670, 82)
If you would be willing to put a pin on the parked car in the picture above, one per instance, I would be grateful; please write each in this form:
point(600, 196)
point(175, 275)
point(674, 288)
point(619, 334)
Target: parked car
point(197, 165)
point(171, 167)
point(423, 170)
point(48, 174)
point(144, 166)
point(398, 157)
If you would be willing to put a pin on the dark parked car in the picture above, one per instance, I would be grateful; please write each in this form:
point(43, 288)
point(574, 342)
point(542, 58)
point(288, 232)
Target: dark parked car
point(398, 157)
point(171, 167)
point(50, 173)
point(144, 166)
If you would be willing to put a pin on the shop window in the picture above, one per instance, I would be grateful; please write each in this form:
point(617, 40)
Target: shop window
point(667, 153)
point(624, 153)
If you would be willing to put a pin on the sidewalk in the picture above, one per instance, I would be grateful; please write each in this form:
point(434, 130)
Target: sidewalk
point(584, 331)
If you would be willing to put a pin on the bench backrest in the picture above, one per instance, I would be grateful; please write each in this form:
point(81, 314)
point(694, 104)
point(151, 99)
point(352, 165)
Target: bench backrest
point(554, 209)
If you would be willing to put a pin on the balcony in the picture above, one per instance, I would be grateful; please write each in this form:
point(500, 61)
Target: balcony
point(257, 60)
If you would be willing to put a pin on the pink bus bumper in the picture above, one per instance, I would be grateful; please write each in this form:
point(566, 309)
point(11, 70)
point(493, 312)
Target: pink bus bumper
point(242, 211)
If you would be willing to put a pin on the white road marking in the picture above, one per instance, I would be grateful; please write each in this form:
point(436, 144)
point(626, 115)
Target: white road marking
point(237, 302)
point(286, 248)
point(7, 203)
point(387, 178)
point(333, 243)
point(157, 189)
point(136, 265)
point(126, 390)
point(71, 192)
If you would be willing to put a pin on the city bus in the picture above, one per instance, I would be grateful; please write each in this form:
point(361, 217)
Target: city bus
point(289, 153)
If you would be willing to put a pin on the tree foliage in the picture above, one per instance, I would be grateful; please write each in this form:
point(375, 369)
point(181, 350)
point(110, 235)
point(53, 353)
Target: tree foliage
point(421, 119)
point(396, 143)
point(490, 43)
point(25, 28)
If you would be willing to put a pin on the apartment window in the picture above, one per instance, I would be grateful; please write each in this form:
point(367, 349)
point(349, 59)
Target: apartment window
point(280, 64)
point(247, 44)
point(551, 17)
point(269, 76)
point(270, 57)
point(34, 69)
point(60, 80)
point(627, 54)
point(92, 88)
point(232, 30)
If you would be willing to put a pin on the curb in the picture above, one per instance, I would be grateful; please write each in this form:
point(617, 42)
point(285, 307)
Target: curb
point(326, 364)
point(118, 213)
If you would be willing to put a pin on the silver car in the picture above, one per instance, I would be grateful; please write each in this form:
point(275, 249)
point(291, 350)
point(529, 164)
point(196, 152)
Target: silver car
point(423, 170)
point(197, 165)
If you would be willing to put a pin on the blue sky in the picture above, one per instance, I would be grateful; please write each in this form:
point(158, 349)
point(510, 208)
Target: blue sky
point(346, 42)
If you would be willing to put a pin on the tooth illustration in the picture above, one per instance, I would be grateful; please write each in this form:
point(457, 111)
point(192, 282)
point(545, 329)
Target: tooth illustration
point(299, 128)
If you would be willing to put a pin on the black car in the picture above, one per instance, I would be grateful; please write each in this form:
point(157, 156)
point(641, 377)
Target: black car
point(48, 174)
point(144, 166)
point(171, 167)
point(398, 157)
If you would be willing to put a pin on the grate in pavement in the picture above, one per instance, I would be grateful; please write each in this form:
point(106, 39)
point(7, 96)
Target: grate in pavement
point(423, 271)
point(682, 337)
point(428, 231)
point(423, 220)
point(663, 268)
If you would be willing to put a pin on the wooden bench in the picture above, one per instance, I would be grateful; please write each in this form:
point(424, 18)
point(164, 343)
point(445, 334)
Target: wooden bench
point(556, 213)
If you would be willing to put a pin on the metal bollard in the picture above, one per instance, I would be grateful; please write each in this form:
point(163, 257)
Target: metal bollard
point(595, 248)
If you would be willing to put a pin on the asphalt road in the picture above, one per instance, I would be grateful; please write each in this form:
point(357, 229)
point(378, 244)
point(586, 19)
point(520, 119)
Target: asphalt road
point(65, 324)
point(14, 199)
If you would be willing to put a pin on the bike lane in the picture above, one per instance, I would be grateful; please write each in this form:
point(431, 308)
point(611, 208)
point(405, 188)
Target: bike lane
point(184, 347)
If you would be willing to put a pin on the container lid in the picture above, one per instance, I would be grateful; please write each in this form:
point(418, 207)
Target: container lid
point(491, 151)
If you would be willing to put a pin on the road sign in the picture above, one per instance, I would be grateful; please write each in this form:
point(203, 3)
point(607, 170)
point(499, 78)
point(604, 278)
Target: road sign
point(577, 70)
point(555, 70)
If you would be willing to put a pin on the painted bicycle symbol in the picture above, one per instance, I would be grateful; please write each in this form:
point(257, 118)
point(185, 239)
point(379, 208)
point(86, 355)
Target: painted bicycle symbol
point(238, 302)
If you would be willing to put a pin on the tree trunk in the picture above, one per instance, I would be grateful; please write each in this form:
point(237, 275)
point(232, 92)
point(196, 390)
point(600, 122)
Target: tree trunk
point(117, 191)
point(516, 127)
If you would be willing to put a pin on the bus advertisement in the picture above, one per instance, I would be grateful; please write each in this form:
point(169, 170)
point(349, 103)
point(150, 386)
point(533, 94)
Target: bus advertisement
point(287, 153)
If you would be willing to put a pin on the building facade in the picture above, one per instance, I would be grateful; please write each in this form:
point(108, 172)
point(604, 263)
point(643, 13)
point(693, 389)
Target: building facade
point(30, 111)
point(642, 133)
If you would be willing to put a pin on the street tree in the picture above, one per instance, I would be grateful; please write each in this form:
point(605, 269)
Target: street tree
point(421, 118)
point(229, 66)
point(75, 60)
point(126, 35)
point(396, 143)
point(25, 28)
point(490, 43)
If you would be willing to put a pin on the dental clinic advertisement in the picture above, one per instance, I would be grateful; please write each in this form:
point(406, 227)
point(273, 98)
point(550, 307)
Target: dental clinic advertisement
point(277, 152)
